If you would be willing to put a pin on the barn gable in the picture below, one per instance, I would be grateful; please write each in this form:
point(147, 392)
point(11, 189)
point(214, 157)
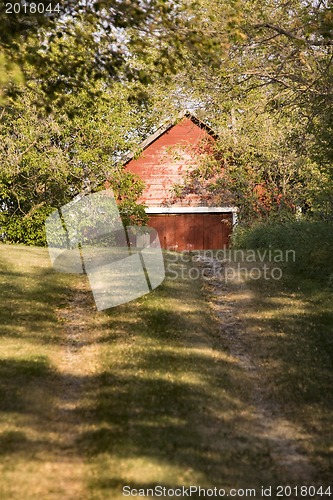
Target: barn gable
point(167, 155)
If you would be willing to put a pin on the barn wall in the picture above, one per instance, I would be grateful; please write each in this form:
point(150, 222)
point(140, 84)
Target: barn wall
point(164, 162)
point(161, 165)
point(193, 231)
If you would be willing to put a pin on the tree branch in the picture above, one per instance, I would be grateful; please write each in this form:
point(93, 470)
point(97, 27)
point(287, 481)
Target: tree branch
point(289, 34)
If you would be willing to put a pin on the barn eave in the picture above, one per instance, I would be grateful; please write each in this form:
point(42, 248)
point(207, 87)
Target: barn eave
point(162, 129)
point(193, 210)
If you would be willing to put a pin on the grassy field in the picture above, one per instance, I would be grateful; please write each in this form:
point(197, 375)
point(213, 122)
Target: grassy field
point(31, 382)
point(294, 353)
point(150, 393)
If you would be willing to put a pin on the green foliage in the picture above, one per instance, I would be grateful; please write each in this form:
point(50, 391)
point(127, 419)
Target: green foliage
point(48, 159)
point(258, 164)
point(104, 40)
point(28, 229)
point(10, 76)
point(101, 77)
point(311, 240)
point(283, 52)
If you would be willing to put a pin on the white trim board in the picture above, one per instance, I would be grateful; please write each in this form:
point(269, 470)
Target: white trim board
point(190, 210)
point(194, 210)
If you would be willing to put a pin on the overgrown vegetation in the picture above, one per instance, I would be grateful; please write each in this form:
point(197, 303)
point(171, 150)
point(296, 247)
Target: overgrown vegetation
point(82, 88)
point(48, 159)
point(311, 240)
point(149, 393)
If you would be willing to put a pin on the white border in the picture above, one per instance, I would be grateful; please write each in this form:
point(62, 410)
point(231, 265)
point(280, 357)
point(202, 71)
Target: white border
point(193, 210)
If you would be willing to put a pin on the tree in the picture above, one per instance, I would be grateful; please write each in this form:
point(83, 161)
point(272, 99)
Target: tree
point(259, 72)
point(258, 164)
point(283, 47)
point(101, 39)
point(48, 159)
point(269, 98)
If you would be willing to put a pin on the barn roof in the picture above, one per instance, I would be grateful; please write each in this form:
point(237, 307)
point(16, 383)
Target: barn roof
point(167, 126)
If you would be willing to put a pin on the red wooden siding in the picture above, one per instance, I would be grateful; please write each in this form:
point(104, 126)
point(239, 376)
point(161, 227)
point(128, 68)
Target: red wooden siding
point(165, 161)
point(167, 156)
point(192, 231)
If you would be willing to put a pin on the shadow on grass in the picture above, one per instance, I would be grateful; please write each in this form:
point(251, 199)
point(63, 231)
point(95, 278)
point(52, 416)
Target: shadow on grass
point(28, 303)
point(297, 334)
point(168, 395)
point(172, 399)
point(170, 405)
point(292, 330)
point(188, 425)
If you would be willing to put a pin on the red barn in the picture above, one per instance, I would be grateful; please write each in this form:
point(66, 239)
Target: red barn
point(188, 223)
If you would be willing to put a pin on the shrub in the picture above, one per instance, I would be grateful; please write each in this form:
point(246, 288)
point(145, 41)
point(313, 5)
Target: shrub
point(28, 229)
point(312, 242)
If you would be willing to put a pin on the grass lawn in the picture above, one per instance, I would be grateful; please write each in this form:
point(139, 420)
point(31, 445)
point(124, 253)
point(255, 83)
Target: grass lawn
point(32, 346)
point(294, 352)
point(149, 393)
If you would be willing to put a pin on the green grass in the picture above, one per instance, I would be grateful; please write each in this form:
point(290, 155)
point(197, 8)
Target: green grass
point(153, 394)
point(30, 341)
point(167, 401)
point(295, 351)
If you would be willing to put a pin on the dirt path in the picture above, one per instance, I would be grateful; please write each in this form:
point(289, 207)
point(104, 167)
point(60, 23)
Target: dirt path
point(77, 366)
point(232, 302)
point(75, 388)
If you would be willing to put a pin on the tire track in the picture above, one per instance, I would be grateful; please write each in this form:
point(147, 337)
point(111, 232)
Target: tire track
point(230, 302)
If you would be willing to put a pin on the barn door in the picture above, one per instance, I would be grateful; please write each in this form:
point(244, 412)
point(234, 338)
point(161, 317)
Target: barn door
point(216, 231)
point(192, 231)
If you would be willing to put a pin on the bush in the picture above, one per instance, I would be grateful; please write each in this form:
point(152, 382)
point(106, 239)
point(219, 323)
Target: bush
point(312, 242)
point(28, 229)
